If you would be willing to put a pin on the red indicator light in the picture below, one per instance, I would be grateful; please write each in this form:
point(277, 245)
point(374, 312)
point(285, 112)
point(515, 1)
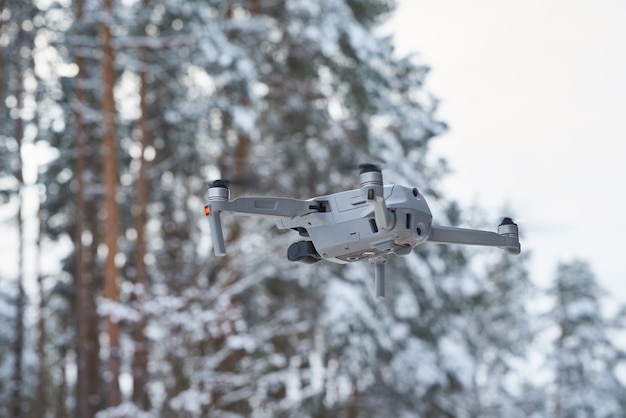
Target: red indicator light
point(207, 210)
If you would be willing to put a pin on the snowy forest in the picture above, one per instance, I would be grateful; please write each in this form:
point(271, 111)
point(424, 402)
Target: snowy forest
point(114, 116)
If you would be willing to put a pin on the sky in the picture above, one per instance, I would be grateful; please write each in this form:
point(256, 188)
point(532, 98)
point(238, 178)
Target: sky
point(534, 93)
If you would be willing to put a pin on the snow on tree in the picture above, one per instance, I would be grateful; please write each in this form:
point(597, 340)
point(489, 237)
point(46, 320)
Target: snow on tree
point(310, 96)
point(585, 357)
point(19, 91)
point(284, 98)
point(499, 334)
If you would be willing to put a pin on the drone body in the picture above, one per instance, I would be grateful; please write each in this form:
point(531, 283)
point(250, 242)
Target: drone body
point(368, 223)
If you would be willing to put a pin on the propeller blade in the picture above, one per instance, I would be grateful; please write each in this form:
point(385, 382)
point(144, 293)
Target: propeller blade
point(220, 183)
point(369, 167)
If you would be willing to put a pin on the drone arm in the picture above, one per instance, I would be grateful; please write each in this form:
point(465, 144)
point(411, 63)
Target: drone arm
point(506, 238)
point(280, 207)
point(260, 206)
point(384, 217)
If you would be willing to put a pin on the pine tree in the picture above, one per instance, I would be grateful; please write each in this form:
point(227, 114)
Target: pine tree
point(73, 205)
point(84, 228)
point(140, 291)
point(499, 333)
point(314, 107)
point(18, 90)
point(584, 356)
point(110, 175)
point(284, 98)
point(313, 94)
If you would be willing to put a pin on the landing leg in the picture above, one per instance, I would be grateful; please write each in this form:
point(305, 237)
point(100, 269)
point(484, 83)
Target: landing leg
point(379, 276)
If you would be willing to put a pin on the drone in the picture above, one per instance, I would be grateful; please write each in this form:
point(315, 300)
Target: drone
point(368, 223)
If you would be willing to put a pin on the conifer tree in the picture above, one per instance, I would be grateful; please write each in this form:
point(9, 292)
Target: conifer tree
point(498, 333)
point(110, 176)
point(82, 106)
point(283, 98)
point(585, 357)
point(18, 89)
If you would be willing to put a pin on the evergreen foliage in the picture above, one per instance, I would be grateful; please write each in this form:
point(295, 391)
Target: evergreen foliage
point(283, 98)
point(585, 356)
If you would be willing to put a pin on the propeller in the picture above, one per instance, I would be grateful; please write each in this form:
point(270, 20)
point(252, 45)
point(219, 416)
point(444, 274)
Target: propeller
point(242, 182)
point(369, 167)
point(359, 165)
point(220, 183)
point(507, 221)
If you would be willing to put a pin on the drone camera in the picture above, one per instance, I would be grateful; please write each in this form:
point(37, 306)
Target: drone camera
point(304, 252)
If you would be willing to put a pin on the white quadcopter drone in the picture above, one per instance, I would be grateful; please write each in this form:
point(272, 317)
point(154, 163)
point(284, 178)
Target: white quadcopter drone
point(368, 223)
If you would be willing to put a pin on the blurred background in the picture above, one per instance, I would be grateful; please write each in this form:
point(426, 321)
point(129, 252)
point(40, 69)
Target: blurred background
point(116, 114)
point(532, 94)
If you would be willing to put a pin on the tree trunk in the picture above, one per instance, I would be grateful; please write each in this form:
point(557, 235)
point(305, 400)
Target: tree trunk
point(109, 151)
point(140, 359)
point(18, 342)
point(18, 325)
point(87, 323)
point(42, 392)
point(60, 408)
point(87, 345)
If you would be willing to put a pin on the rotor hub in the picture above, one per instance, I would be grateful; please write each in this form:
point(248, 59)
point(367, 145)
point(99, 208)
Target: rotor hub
point(218, 190)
